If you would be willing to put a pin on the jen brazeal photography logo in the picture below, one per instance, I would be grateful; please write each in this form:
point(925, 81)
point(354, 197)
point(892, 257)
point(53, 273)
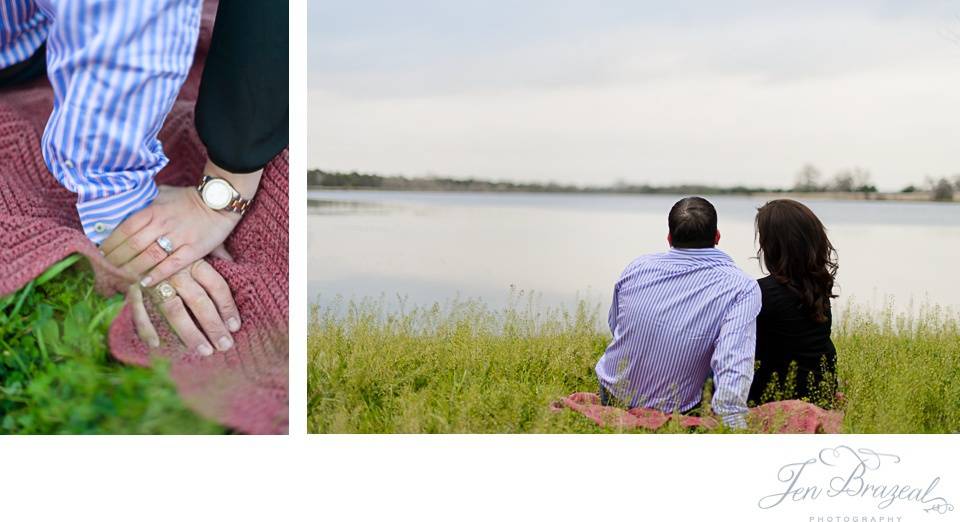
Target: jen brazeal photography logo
point(846, 484)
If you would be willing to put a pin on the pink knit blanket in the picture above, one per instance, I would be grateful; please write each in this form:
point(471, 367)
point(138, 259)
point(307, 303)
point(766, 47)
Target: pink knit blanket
point(772, 417)
point(244, 388)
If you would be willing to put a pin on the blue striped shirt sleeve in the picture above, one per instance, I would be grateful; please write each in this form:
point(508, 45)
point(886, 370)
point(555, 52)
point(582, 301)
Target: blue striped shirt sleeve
point(23, 29)
point(116, 68)
point(732, 361)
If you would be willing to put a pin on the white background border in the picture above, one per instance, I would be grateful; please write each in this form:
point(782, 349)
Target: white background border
point(448, 478)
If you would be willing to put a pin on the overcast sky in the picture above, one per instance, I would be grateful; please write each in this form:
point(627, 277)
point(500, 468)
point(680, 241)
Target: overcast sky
point(592, 92)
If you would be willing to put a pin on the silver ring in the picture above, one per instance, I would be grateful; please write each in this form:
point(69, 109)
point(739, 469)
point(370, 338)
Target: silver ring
point(165, 244)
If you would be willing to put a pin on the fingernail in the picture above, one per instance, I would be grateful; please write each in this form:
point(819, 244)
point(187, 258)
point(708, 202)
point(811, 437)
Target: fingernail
point(145, 282)
point(233, 324)
point(154, 343)
point(225, 343)
point(205, 349)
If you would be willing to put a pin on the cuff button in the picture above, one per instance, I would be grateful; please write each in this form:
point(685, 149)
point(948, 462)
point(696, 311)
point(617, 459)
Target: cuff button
point(99, 228)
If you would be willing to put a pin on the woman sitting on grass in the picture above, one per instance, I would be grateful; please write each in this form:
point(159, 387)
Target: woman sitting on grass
point(795, 357)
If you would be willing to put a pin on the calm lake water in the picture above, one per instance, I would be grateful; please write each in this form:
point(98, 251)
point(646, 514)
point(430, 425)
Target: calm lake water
point(434, 247)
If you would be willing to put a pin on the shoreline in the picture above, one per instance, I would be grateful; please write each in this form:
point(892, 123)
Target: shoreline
point(918, 196)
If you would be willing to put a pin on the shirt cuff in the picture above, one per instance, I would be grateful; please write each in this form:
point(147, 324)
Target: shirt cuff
point(735, 420)
point(100, 216)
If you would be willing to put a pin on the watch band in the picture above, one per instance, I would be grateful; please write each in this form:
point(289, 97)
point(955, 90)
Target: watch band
point(238, 205)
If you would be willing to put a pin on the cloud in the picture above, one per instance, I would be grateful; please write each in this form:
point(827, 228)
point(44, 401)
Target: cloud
point(454, 49)
point(738, 93)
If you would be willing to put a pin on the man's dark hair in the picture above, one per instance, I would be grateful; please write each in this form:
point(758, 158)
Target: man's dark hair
point(693, 223)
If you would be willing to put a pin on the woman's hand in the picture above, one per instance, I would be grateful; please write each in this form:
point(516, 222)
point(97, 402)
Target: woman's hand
point(180, 215)
point(201, 290)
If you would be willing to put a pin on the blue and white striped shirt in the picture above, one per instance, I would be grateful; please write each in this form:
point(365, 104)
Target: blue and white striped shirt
point(675, 317)
point(116, 67)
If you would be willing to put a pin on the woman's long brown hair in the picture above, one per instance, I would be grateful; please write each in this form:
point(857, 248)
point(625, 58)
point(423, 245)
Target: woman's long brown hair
point(796, 251)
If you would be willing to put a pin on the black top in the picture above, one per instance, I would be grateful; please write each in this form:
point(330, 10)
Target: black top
point(785, 333)
point(242, 107)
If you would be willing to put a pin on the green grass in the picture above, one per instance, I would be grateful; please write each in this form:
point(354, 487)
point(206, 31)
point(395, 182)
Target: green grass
point(464, 368)
point(56, 373)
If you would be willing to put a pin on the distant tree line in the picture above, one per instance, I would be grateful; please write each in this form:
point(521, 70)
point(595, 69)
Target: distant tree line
point(320, 178)
point(943, 189)
point(858, 180)
point(356, 180)
point(808, 180)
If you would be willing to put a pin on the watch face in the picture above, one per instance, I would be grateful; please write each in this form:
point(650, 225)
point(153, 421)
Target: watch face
point(217, 194)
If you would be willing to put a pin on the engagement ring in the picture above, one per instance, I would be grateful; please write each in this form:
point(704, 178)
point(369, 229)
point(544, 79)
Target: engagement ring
point(165, 244)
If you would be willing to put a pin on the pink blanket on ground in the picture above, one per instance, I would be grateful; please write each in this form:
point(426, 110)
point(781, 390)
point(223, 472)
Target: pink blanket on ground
point(772, 417)
point(244, 388)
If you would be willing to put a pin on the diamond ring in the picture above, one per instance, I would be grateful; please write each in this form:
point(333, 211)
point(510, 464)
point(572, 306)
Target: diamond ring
point(165, 244)
point(166, 291)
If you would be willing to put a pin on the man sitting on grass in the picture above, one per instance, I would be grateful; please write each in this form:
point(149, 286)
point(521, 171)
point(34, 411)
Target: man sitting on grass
point(677, 316)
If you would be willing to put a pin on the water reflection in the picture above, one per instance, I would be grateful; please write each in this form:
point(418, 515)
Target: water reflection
point(431, 247)
point(333, 207)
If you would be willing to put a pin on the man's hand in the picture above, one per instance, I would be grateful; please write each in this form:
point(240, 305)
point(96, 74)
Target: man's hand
point(201, 290)
point(180, 215)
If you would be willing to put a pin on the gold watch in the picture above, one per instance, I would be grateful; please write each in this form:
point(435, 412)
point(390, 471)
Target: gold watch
point(219, 194)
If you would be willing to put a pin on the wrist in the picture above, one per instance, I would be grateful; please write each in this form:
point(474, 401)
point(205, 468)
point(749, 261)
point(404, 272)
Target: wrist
point(245, 183)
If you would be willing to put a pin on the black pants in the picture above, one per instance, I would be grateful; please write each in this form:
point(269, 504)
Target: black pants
point(242, 109)
point(33, 67)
